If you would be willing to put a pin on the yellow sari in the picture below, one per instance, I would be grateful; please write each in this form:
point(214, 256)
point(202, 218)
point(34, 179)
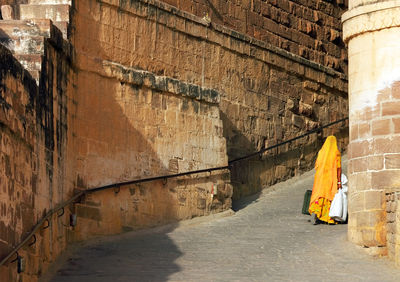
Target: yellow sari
point(326, 179)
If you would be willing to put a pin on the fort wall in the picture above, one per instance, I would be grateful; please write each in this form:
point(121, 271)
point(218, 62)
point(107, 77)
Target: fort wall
point(135, 89)
point(33, 153)
point(267, 94)
point(310, 29)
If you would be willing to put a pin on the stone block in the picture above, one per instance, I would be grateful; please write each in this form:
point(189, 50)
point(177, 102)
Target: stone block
point(201, 204)
point(384, 95)
point(375, 162)
point(292, 105)
point(88, 212)
point(386, 145)
point(396, 125)
point(392, 161)
point(368, 238)
point(55, 12)
point(359, 149)
point(381, 127)
point(297, 121)
point(376, 218)
point(396, 90)
point(385, 179)
point(393, 206)
point(353, 132)
point(364, 130)
point(305, 109)
point(356, 203)
point(7, 12)
point(310, 85)
point(360, 164)
point(390, 108)
point(389, 206)
point(391, 217)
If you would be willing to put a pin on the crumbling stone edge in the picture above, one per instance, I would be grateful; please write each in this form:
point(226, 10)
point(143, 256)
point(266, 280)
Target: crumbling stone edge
point(160, 83)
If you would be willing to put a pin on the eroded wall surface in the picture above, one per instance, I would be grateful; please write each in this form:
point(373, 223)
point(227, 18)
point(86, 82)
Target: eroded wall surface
point(33, 154)
point(267, 94)
point(142, 125)
point(310, 29)
point(146, 89)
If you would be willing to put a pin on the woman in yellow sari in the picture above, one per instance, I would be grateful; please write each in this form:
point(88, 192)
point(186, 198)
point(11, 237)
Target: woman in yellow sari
point(326, 182)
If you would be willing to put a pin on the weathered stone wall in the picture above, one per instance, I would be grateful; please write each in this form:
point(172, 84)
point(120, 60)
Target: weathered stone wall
point(267, 94)
point(310, 29)
point(33, 154)
point(18, 161)
point(151, 90)
point(372, 30)
point(391, 201)
point(141, 125)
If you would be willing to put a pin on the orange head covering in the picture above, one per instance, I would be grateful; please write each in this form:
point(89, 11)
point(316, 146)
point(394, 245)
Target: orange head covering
point(326, 165)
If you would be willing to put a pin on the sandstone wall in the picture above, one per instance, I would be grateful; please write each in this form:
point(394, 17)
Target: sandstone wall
point(18, 160)
point(133, 124)
point(392, 225)
point(372, 30)
point(310, 29)
point(33, 154)
point(149, 90)
point(267, 94)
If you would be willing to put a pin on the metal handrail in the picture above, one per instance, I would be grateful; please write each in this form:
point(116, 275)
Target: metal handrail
point(93, 190)
point(288, 141)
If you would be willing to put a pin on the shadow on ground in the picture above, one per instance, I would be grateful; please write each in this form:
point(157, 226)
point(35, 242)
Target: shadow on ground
point(244, 202)
point(148, 254)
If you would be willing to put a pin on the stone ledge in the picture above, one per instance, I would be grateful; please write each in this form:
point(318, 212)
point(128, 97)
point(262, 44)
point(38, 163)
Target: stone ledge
point(160, 83)
point(155, 4)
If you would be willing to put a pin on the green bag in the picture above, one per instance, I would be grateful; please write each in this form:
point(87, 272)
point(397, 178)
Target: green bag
point(306, 202)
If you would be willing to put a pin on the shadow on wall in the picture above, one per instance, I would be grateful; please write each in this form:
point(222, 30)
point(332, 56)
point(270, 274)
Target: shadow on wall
point(120, 137)
point(124, 132)
point(249, 177)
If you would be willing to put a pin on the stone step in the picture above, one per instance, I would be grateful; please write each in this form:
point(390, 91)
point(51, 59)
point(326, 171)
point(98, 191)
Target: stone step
point(54, 12)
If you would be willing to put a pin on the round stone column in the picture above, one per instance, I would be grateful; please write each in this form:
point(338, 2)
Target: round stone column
point(372, 32)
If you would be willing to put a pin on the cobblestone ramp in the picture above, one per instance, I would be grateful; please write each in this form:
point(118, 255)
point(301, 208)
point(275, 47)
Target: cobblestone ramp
point(268, 240)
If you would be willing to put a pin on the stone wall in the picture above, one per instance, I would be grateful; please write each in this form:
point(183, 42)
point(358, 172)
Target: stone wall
point(391, 201)
point(372, 30)
point(310, 29)
point(33, 154)
point(145, 89)
point(267, 94)
point(374, 166)
point(18, 161)
point(141, 125)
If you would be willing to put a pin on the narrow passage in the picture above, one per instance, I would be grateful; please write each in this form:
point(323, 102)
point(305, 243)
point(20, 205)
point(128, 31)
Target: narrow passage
point(268, 239)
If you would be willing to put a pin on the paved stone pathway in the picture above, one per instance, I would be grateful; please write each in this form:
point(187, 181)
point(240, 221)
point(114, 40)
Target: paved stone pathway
point(267, 240)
